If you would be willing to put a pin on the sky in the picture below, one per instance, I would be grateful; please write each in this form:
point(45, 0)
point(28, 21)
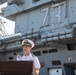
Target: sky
point(9, 25)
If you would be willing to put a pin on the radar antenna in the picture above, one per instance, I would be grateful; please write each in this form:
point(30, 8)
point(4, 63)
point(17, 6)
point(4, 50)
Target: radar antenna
point(3, 30)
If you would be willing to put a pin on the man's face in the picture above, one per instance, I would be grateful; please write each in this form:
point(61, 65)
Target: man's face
point(27, 47)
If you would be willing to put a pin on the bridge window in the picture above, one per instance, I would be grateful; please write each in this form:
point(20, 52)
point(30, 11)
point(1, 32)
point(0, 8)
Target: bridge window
point(53, 50)
point(45, 51)
point(35, 1)
point(57, 62)
point(37, 53)
point(71, 47)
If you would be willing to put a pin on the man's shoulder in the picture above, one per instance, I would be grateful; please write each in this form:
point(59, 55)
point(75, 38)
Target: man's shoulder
point(18, 57)
point(34, 56)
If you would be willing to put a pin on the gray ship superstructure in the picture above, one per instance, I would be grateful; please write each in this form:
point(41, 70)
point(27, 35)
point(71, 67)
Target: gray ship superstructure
point(51, 24)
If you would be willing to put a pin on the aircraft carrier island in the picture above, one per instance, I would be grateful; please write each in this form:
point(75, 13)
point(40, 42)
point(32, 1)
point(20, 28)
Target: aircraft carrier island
point(51, 24)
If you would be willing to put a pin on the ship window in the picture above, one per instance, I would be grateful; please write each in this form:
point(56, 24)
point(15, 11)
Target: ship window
point(45, 51)
point(42, 64)
point(57, 62)
point(37, 53)
point(35, 1)
point(53, 50)
point(14, 53)
point(71, 47)
point(10, 58)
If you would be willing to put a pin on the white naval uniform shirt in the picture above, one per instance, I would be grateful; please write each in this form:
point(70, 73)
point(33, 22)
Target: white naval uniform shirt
point(29, 58)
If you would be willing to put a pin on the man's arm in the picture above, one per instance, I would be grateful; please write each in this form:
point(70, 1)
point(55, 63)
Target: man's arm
point(37, 71)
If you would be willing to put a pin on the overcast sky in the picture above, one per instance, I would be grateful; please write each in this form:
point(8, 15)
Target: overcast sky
point(9, 25)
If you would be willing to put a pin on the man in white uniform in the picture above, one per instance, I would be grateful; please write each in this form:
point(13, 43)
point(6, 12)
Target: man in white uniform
point(27, 47)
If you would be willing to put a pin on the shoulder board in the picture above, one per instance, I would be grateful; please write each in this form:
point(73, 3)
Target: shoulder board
point(33, 55)
point(18, 56)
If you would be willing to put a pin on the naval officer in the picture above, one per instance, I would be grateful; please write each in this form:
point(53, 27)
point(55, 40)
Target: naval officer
point(27, 46)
